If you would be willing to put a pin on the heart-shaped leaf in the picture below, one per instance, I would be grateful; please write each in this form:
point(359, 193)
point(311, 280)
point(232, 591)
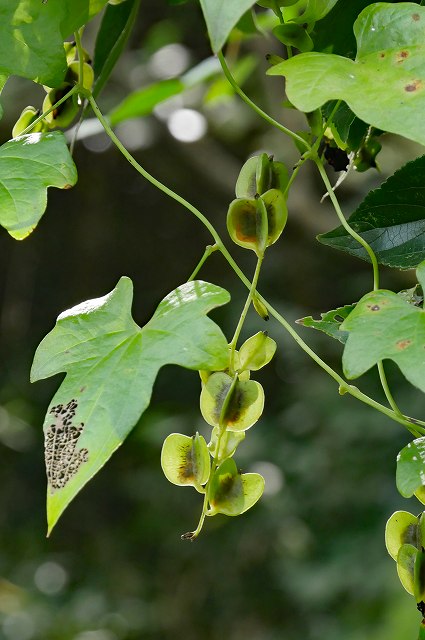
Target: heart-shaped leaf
point(111, 366)
point(233, 493)
point(391, 219)
point(384, 85)
point(28, 166)
point(383, 325)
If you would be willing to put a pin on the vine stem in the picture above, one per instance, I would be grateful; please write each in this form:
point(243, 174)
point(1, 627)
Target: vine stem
point(410, 424)
point(245, 310)
point(375, 267)
point(208, 251)
point(256, 108)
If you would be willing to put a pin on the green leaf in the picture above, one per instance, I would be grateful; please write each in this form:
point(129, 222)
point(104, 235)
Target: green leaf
point(244, 407)
point(384, 86)
point(384, 326)
point(113, 34)
point(3, 80)
point(406, 560)
point(28, 166)
point(410, 475)
point(142, 102)
point(185, 460)
point(229, 441)
point(233, 493)
point(111, 366)
point(334, 34)
point(31, 43)
point(330, 322)
point(221, 16)
point(401, 528)
point(294, 35)
point(391, 219)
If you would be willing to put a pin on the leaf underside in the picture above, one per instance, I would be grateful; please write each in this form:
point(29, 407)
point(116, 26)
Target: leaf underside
point(330, 322)
point(111, 366)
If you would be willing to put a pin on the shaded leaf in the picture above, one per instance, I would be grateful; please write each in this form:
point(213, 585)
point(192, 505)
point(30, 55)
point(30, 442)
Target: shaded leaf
point(113, 34)
point(384, 86)
point(142, 102)
point(221, 16)
point(111, 366)
point(334, 34)
point(28, 166)
point(391, 219)
point(330, 322)
point(257, 351)
point(384, 326)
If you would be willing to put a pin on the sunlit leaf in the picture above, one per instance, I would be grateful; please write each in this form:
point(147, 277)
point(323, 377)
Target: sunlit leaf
point(257, 351)
point(383, 325)
point(384, 86)
point(28, 166)
point(111, 366)
point(410, 474)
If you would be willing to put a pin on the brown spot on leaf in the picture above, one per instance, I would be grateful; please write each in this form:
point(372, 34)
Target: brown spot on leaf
point(382, 55)
point(416, 17)
point(68, 186)
point(401, 56)
point(403, 344)
point(374, 307)
point(413, 86)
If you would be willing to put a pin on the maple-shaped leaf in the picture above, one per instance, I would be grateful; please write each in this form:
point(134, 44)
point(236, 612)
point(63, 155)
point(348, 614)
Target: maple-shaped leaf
point(111, 365)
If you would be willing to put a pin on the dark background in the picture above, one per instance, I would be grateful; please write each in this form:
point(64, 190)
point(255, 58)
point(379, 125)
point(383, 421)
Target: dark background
point(309, 560)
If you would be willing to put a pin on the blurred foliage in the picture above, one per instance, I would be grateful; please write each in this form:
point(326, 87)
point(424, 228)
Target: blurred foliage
point(309, 561)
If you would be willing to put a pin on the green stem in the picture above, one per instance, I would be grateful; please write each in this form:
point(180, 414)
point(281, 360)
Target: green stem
point(326, 125)
point(256, 108)
point(192, 535)
point(347, 388)
point(208, 251)
point(374, 261)
point(245, 310)
point(345, 224)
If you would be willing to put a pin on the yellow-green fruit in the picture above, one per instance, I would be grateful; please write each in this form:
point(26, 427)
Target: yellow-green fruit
point(28, 115)
point(73, 74)
point(64, 114)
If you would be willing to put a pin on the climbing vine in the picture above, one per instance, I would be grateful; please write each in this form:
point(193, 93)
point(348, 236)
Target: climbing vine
point(356, 75)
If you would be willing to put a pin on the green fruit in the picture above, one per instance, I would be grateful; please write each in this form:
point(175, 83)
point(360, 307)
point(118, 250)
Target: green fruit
point(28, 115)
point(229, 405)
point(64, 114)
point(231, 492)
point(185, 460)
point(73, 74)
point(257, 351)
